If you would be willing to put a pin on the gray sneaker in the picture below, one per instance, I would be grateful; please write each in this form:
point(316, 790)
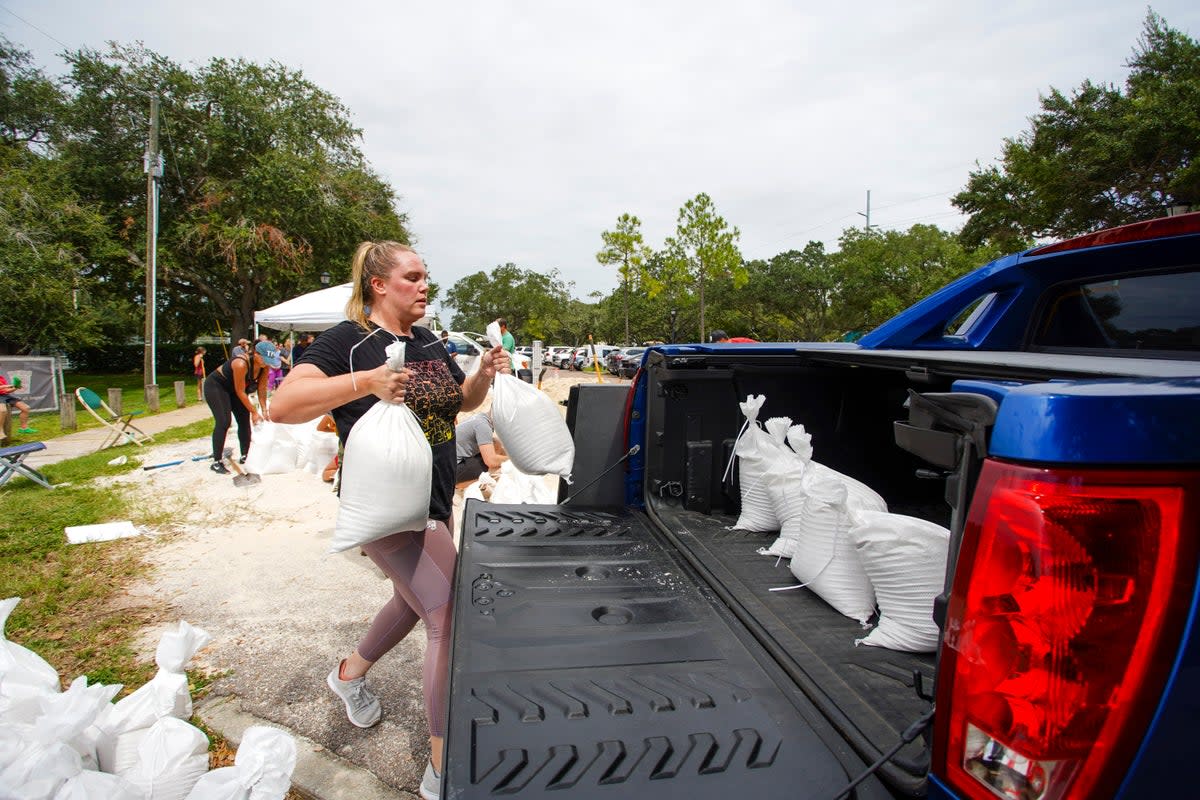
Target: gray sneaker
point(431, 783)
point(362, 706)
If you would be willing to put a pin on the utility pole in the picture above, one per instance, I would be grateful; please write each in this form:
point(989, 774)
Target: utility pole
point(868, 214)
point(153, 167)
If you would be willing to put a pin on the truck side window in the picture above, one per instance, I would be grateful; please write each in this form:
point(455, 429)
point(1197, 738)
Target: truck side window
point(1145, 312)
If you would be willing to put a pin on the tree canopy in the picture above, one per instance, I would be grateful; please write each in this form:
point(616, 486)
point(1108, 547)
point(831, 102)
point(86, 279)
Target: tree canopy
point(1098, 156)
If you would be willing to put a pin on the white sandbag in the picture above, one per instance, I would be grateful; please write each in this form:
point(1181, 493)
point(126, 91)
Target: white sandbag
point(493, 333)
point(93, 785)
point(905, 558)
point(262, 769)
point(39, 769)
point(322, 447)
point(387, 470)
point(164, 695)
point(514, 486)
point(171, 758)
point(858, 494)
point(787, 493)
point(23, 673)
point(69, 716)
point(481, 489)
point(825, 559)
point(273, 451)
point(759, 465)
point(534, 433)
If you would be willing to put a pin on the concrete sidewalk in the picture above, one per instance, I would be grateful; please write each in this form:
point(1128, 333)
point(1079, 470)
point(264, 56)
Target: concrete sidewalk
point(88, 441)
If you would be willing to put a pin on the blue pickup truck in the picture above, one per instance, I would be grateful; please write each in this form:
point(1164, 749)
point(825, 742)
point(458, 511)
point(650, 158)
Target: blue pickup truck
point(1044, 408)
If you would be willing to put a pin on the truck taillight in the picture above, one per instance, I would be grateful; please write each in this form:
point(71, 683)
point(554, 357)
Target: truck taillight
point(1069, 596)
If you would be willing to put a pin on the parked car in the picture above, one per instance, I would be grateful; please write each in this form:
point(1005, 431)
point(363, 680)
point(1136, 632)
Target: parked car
point(627, 361)
point(601, 351)
point(472, 345)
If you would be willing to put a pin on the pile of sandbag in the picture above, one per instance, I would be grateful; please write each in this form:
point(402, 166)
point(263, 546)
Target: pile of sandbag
point(79, 745)
point(841, 541)
point(512, 486)
point(278, 448)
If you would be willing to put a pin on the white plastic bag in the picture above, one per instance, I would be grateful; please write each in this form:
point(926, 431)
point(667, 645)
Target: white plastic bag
point(514, 486)
point(905, 558)
point(94, 785)
point(23, 673)
point(759, 461)
point(262, 769)
point(533, 432)
point(493, 333)
point(68, 717)
point(171, 758)
point(273, 450)
point(825, 559)
point(322, 447)
point(164, 695)
point(481, 489)
point(387, 470)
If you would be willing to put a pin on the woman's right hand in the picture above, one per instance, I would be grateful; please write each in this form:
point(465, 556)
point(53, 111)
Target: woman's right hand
point(255, 418)
point(387, 384)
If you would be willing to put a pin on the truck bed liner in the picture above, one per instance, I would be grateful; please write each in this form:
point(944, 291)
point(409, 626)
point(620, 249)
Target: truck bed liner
point(587, 656)
point(867, 692)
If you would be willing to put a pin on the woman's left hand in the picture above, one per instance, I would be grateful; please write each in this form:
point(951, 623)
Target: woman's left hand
point(495, 360)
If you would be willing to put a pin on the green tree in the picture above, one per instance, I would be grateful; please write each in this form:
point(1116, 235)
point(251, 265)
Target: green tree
point(787, 297)
point(534, 303)
point(703, 249)
point(879, 274)
point(265, 186)
point(50, 239)
point(625, 249)
point(1099, 156)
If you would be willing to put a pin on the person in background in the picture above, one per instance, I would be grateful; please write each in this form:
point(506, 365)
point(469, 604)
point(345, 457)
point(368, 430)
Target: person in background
point(390, 280)
point(227, 393)
point(9, 398)
point(451, 347)
point(299, 347)
point(718, 336)
point(241, 348)
point(507, 341)
point(199, 370)
point(476, 448)
point(270, 353)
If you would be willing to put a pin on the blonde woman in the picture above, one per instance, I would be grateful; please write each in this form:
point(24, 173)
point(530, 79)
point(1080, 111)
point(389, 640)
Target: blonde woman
point(389, 295)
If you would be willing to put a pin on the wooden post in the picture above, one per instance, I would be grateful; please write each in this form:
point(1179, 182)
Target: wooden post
point(152, 398)
point(66, 412)
point(114, 400)
point(180, 394)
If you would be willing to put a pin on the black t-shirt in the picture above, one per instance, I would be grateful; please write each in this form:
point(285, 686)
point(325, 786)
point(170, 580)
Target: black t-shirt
point(434, 392)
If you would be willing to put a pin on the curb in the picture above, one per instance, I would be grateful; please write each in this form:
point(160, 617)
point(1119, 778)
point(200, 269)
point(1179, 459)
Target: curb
point(319, 774)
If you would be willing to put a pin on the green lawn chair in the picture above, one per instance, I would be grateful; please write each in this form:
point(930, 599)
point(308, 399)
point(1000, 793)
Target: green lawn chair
point(120, 427)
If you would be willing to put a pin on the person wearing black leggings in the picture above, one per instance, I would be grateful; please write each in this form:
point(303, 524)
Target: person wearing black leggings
point(227, 391)
point(389, 278)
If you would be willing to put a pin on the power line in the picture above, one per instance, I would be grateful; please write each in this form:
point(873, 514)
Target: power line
point(51, 37)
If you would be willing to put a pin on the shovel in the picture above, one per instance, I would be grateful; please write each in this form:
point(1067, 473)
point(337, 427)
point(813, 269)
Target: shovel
point(243, 478)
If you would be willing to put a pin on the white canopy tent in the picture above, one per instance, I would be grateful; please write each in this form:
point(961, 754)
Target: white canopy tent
point(316, 311)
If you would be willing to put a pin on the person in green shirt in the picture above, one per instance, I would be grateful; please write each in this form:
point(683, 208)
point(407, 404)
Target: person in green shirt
point(507, 341)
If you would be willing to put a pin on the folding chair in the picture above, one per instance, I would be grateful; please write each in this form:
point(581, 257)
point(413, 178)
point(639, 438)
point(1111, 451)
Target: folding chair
point(10, 463)
point(119, 427)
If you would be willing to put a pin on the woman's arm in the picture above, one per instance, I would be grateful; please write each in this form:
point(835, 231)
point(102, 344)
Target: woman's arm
point(476, 385)
point(307, 392)
point(238, 367)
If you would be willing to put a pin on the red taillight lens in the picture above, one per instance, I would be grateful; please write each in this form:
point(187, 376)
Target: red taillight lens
point(1069, 595)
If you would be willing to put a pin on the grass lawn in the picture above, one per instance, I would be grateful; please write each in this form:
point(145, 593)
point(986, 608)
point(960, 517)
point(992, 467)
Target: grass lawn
point(133, 398)
point(73, 610)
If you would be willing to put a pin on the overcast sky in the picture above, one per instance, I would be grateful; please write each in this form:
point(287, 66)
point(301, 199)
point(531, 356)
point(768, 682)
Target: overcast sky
point(519, 131)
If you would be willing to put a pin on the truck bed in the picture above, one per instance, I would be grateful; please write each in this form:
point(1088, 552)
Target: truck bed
point(868, 693)
point(588, 655)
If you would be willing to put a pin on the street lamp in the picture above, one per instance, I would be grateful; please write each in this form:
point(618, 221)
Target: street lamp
point(674, 313)
point(325, 278)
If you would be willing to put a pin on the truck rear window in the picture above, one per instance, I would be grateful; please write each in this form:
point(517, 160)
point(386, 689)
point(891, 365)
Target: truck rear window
point(1145, 312)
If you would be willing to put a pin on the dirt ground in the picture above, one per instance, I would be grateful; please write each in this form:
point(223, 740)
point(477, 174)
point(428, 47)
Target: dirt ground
point(249, 565)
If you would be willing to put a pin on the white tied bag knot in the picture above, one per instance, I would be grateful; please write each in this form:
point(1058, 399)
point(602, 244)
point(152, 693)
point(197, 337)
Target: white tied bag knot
point(531, 428)
point(760, 464)
point(387, 471)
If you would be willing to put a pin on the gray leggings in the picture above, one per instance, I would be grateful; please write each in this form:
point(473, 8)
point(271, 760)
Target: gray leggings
point(421, 566)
